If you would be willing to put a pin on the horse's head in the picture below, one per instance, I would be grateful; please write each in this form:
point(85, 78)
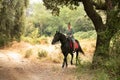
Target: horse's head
point(56, 37)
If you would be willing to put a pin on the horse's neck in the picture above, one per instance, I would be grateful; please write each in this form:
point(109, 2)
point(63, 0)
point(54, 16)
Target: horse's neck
point(63, 39)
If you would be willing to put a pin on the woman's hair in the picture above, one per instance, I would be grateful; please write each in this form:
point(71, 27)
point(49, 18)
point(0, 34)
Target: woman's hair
point(69, 23)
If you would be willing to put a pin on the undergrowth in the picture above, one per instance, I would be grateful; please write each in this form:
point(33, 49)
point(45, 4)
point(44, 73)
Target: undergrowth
point(107, 70)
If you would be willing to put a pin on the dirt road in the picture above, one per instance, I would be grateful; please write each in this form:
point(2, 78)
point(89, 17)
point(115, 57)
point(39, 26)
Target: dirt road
point(14, 67)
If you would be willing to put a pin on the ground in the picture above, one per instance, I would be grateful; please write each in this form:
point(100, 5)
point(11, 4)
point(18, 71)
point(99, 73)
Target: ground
point(14, 66)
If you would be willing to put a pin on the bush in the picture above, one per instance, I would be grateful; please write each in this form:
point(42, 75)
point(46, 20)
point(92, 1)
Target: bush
point(4, 40)
point(42, 54)
point(27, 39)
point(41, 40)
point(113, 65)
point(28, 53)
point(85, 35)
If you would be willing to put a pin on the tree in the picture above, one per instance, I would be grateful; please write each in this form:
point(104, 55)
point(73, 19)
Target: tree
point(104, 31)
point(48, 24)
point(11, 19)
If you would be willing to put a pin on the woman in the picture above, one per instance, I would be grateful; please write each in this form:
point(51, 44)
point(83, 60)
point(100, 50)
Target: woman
point(70, 35)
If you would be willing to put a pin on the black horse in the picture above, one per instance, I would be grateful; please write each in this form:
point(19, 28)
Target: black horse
point(65, 46)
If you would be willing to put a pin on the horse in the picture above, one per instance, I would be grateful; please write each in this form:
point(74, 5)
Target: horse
point(66, 47)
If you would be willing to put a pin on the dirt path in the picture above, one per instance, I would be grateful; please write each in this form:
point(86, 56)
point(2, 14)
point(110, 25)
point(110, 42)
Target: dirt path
point(14, 67)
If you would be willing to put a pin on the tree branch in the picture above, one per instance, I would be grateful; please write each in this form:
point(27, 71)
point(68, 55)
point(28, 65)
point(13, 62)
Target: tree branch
point(99, 6)
point(93, 15)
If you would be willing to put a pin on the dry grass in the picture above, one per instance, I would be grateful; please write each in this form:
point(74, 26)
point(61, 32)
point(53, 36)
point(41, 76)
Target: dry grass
point(52, 53)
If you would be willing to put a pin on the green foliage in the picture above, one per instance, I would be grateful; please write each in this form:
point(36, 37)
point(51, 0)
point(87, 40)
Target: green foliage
point(108, 67)
point(84, 71)
point(115, 45)
point(85, 35)
point(28, 39)
point(48, 24)
point(113, 64)
point(83, 24)
point(101, 75)
point(55, 5)
point(3, 40)
point(11, 19)
point(37, 40)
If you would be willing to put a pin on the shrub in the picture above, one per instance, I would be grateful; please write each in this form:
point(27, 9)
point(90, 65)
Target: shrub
point(4, 40)
point(27, 39)
point(42, 54)
point(56, 60)
point(85, 35)
point(28, 53)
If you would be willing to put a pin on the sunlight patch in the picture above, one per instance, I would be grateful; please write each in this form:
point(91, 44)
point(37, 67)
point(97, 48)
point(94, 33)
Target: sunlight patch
point(14, 56)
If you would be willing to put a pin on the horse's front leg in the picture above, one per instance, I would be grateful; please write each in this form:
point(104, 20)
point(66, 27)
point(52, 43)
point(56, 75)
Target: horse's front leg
point(71, 58)
point(65, 60)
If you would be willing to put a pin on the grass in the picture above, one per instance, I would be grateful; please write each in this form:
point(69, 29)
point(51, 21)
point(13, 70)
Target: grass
point(28, 53)
point(42, 54)
point(109, 69)
point(84, 72)
point(101, 75)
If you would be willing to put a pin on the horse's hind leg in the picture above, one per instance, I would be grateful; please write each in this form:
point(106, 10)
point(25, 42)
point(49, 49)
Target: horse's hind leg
point(71, 58)
point(76, 58)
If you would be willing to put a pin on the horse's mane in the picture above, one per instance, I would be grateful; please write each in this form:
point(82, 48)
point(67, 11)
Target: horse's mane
point(63, 34)
point(63, 37)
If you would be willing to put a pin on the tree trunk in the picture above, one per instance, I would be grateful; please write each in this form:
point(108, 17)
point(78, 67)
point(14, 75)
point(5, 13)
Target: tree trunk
point(102, 45)
point(103, 34)
point(102, 49)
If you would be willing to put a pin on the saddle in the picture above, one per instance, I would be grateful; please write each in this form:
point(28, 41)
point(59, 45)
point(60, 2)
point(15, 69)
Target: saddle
point(73, 45)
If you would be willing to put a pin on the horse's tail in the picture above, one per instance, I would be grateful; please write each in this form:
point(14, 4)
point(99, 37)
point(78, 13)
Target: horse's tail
point(79, 48)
